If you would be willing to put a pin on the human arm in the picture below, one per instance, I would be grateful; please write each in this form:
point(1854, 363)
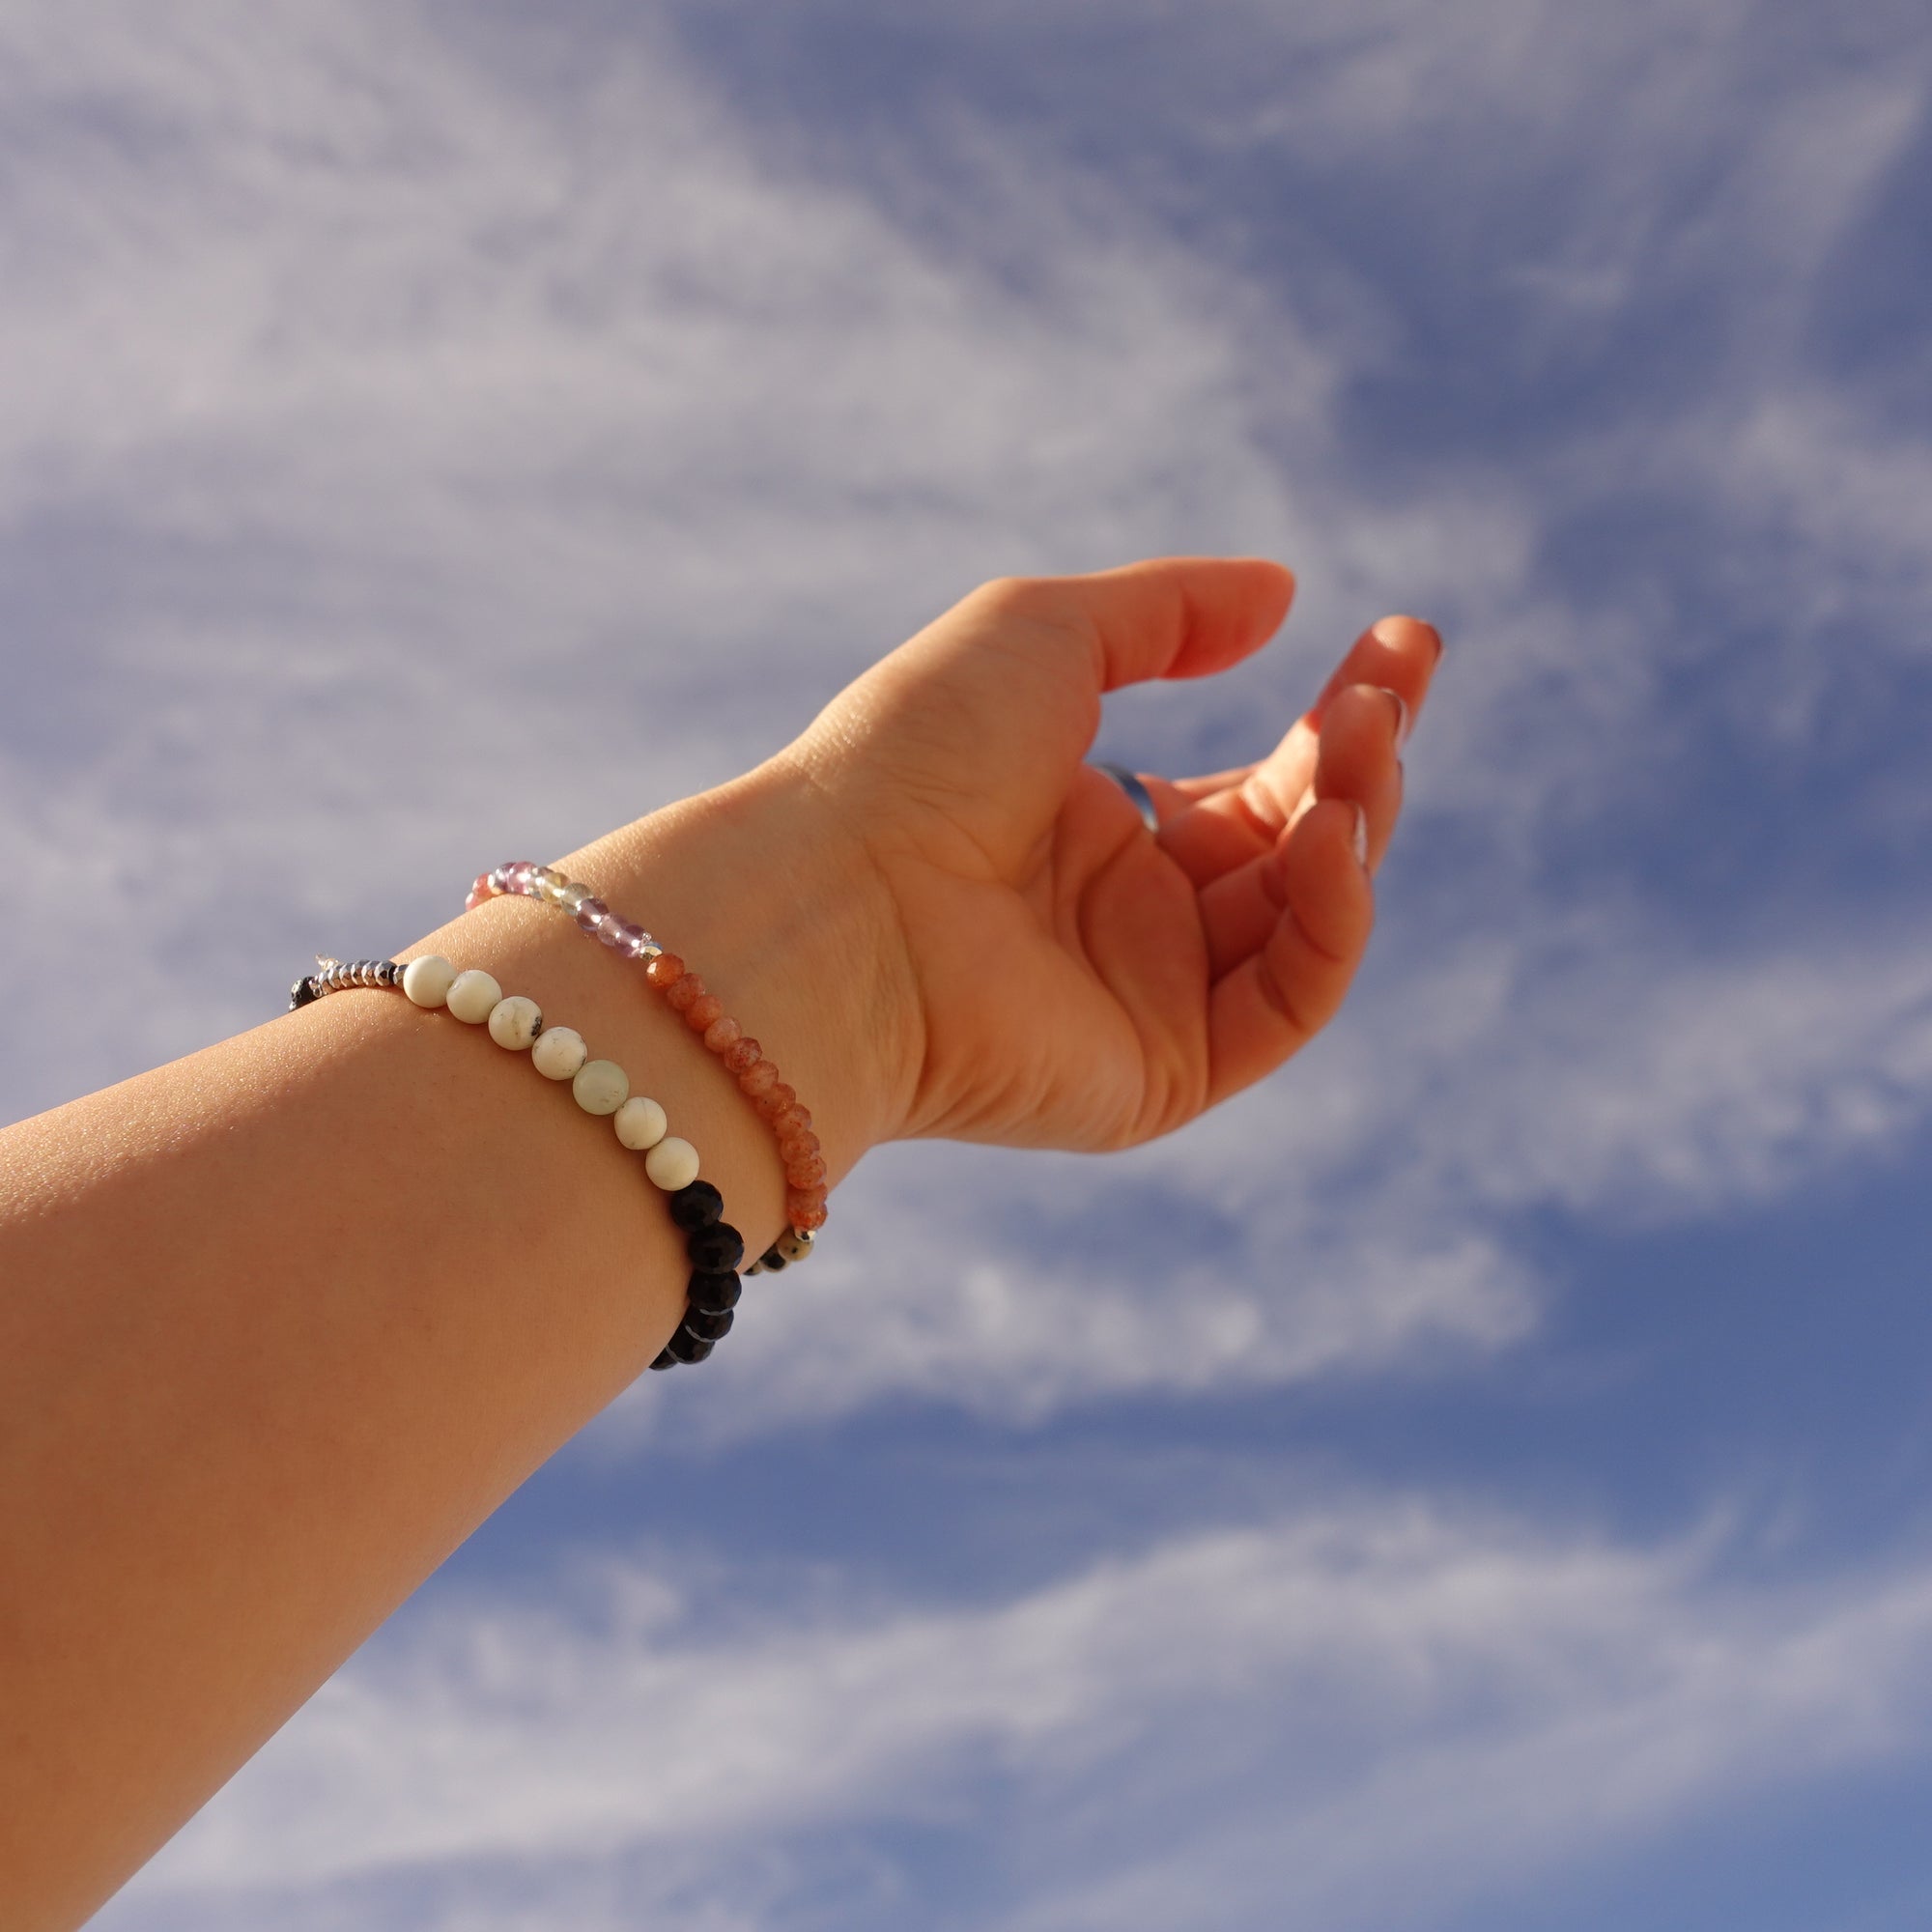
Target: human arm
point(283, 1322)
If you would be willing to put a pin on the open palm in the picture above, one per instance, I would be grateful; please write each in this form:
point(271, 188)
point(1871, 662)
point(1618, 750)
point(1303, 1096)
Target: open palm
point(1074, 980)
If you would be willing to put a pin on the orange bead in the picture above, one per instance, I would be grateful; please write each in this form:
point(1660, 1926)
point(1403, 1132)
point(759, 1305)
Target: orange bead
point(758, 1079)
point(774, 1101)
point(806, 1211)
point(703, 1013)
point(664, 969)
point(808, 1172)
point(683, 990)
point(742, 1054)
point(793, 1121)
point(722, 1035)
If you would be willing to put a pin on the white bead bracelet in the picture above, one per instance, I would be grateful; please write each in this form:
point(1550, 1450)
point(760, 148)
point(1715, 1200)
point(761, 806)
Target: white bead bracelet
point(714, 1248)
point(515, 1023)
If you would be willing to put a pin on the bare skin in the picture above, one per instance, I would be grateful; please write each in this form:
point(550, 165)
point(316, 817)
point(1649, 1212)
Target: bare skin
point(282, 1323)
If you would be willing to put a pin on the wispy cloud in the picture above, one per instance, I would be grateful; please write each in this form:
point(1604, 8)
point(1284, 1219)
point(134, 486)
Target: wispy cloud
point(1360, 1714)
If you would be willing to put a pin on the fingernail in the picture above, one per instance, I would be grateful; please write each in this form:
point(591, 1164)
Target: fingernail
point(1396, 699)
point(1361, 839)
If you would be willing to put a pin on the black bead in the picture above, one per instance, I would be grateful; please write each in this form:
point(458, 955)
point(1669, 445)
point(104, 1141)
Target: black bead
point(708, 1327)
point(717, 1247)
point(771, 1261)
point(302, 994)
point(697, 1206)
point(667, 1360)
point(713, 1291)
point(687, 1347)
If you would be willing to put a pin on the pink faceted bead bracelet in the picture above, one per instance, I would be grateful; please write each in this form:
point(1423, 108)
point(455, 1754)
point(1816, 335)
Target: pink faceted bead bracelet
point(687, 995)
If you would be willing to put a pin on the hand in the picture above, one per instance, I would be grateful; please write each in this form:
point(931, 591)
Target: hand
point(1068, 979)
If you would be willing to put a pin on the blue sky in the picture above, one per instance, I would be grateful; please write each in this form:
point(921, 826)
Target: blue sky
point(1479, 1478)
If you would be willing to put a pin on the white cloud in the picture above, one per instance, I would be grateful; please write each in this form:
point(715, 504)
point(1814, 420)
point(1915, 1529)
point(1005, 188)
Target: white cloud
point(1359, 1714)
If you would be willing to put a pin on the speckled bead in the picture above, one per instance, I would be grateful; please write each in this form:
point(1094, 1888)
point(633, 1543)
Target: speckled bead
point(516, 1022)
point(559, 1051)
point(474, 996)
point(806, 1210)
point(775, 1100)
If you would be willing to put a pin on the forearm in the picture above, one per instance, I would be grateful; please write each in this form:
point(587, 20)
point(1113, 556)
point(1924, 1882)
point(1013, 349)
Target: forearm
point(283, 1322)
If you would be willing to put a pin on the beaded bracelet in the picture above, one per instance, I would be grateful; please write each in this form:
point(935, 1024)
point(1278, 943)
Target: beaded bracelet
point(713, 1246)
point(704, 1013)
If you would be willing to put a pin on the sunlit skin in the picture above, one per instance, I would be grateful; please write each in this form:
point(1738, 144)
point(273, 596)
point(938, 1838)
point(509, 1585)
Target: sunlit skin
point(282, 1322)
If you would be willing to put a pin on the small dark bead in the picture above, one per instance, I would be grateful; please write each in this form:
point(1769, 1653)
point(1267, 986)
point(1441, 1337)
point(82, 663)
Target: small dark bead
point(708, 1327)
point(302, 994)
point(717, 1247)
point(714, 1292)
point(665, 1361)
point(771, 1261)
point(697, 1206)
point(687, 1348)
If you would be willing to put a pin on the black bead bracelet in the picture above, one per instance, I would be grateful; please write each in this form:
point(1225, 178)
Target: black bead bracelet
point(714, 1248)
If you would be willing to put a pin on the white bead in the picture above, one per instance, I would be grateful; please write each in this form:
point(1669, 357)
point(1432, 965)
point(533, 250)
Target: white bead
point(427, 981)
point(673, 1163)
point(515, 1022)
point(472, 996)
point(639, 1122)
point(795, 1244)
point(558, 1053)
point(599, 1086)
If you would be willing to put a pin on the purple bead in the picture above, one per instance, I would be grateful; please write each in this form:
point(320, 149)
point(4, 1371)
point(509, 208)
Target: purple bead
point(516, 876)
point(592, 915)
point(635, 943)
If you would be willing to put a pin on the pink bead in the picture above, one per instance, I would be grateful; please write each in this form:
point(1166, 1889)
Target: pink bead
point(517, 876)
point(722, 1035)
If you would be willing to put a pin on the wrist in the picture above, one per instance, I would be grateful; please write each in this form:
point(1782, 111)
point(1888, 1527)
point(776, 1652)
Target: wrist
point(755, 887)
